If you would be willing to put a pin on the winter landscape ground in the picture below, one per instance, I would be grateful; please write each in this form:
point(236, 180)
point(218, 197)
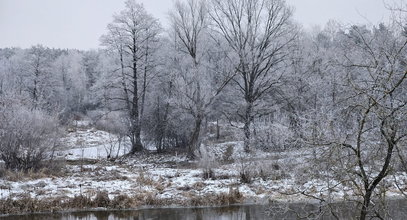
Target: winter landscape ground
point(89, 179)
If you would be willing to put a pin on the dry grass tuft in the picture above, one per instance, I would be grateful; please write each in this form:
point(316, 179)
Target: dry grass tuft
point(198, 186)
point(151, 199)
point(232, 197)
point(24, 203)
point(144, 179)
point(123, 202)
point(80, 202)
point(102, 199)
point(53, 169)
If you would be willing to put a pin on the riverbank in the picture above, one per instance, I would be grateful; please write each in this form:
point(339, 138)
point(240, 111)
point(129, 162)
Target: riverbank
point(145, 179)
point(165, 180)
point(84, 178)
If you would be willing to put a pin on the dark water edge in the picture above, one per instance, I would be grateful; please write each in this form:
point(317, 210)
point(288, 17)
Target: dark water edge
point(396, 209)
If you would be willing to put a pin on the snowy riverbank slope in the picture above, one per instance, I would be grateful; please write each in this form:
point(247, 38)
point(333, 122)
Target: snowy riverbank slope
point(171, 177)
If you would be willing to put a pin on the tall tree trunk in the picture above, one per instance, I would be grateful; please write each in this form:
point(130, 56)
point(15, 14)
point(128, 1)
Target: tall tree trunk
point(35, 89)
point(135, 117)
point(194, 142)
point(35, 93)
point(36, 79)
point(217, 130)
point(143, 95)
point(159, 127)
point(366, 202)
point(165, 117)
point(391, 143)
point(126, 92)
point(248, 118)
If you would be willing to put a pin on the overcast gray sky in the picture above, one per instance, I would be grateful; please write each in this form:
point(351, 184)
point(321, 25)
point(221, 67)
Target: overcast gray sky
point(80, 23)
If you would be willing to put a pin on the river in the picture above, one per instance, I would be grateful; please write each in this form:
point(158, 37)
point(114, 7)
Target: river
point(397, 209)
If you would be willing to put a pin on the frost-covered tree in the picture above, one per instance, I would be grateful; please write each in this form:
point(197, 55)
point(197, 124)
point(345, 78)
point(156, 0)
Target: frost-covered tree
point(199, 76)
point(377, 76)
point(259, 32)
point(131, 36)
point(27, 136)
point(38, 73)
point(71, 82)
point(89, 63)
point(10, 71)
point(365, 127)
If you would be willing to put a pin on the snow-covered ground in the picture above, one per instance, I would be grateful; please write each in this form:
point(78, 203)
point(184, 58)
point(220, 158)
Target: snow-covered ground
point(84, 141)
point(275, 176)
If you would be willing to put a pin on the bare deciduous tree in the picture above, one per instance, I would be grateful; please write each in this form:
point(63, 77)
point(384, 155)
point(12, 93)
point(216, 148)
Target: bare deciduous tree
point(377, 77)
point(259, 33)
point(196, 84)
point(368, 122)
point(131, 35)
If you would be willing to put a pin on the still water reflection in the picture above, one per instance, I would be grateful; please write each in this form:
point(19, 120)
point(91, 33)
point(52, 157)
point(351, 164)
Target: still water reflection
point(397, 209)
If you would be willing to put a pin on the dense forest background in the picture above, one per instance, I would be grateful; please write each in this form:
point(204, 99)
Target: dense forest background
point(243, 64)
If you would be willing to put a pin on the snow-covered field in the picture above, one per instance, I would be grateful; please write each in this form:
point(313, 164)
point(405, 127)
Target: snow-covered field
point(88, 142)
point(275, 176)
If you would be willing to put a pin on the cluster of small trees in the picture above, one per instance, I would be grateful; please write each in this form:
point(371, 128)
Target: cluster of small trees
point(40, 88)
point(211, 47)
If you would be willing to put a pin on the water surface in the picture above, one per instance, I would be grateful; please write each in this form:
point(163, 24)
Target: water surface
point(397, 209)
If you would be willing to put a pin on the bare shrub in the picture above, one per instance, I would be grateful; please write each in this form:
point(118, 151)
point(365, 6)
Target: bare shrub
point(275, 137)
point(27, 137)
point(245, 170)
point(263, 174)
point(207, 163)
point(245, 176)
point(271, 171)
point(208, 174)
point(114, 123)
point(228, 154)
